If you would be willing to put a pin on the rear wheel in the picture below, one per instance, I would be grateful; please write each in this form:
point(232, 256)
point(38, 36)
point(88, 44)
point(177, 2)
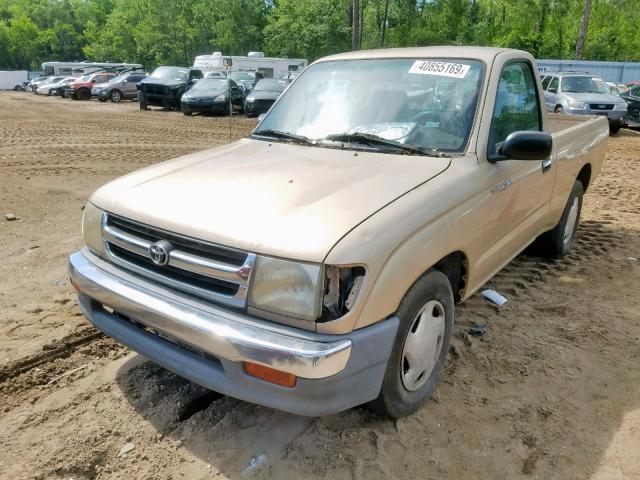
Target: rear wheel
point(426, 321)
point(558, 242)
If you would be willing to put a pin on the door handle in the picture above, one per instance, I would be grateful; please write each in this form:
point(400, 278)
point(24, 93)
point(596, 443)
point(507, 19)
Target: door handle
point(546, 165)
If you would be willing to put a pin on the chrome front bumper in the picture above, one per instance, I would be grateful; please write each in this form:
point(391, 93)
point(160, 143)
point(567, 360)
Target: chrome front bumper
point(208, 344)
point(217, 332)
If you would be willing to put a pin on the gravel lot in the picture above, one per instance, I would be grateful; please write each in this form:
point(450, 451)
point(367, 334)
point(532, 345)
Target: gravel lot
point(552, 390)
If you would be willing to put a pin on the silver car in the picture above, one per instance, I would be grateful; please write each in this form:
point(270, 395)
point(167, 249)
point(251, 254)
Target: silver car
point(119, 88)
point(583, 94)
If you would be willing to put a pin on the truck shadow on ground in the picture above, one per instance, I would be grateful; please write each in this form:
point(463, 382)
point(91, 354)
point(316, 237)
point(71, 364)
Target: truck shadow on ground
point(544, 392)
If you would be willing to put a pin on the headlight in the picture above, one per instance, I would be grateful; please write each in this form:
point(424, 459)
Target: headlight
point(577, 105)
point(220, 98)
point(620, 106)
point(250, 98)
point(92, 228)
point(285, 288)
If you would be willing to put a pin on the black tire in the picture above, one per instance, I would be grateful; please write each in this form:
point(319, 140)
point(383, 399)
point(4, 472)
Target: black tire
point(558, 242)
point(115, 96)
point(188, 114)
point(395, 399)
point(559, 109)
point(614, 128)
point(83, 94)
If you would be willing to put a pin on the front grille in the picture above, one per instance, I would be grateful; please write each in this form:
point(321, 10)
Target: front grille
point(264, 104)
point(156, 90)
point(600, 106)
point(199, 268)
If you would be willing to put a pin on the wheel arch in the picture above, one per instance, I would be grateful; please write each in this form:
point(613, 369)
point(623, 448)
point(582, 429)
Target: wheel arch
point(455, 266)
point(584, 176)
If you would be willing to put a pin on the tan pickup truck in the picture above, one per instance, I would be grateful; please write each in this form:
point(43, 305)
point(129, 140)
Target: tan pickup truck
point(314, 265)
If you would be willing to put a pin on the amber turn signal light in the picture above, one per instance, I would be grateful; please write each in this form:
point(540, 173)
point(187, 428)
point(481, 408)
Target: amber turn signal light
point(271, 375)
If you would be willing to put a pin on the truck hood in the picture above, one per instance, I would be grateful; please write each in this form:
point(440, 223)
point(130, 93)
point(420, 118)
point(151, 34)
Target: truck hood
point(273, 198)
point(162, 81)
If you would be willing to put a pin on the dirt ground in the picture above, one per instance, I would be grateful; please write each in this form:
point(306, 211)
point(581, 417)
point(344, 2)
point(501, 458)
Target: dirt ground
point(552, 390)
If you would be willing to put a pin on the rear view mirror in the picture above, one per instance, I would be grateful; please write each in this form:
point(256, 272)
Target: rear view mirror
point(526, 145)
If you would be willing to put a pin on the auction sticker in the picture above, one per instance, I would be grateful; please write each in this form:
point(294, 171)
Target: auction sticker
point(443, 69)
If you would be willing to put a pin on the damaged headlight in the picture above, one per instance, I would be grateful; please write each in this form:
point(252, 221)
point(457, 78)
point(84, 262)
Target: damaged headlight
point(92, 228)
point(285, 288)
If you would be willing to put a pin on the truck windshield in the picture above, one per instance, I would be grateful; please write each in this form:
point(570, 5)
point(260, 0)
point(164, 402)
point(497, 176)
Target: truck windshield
point(171, 73)
point(418, 105)
point(583, 84)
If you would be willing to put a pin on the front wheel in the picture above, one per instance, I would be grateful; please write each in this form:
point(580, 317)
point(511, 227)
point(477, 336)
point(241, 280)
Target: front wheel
point(614, 128)
point(559, 109)
point(83, 94)
point(115, 96)
point(558, 242)
point(417, 359)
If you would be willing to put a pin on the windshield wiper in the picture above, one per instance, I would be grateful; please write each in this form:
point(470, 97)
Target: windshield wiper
point(285, 136)
point(374, 140)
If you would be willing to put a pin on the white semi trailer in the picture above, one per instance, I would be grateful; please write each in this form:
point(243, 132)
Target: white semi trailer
point(9, 79)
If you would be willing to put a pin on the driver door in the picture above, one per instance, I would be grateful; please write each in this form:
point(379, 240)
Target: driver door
point(517, 195)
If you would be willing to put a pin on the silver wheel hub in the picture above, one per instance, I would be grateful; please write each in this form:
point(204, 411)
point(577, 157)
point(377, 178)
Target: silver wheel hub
point(572, 218)
point(423, 345)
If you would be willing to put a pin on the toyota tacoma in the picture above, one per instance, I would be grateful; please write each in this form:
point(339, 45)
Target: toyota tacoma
point(315, 265)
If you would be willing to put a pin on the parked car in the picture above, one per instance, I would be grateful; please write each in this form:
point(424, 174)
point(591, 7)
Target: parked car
point(47, 81)
point(263, 95)
point(215, 74)
point(617, 88)
point(314, 265)
point(60, 88)
point(581, 94)
point(165, 86)
point(211, 95)
point(33, 85)
point(632, 97)
point(246, 80)
point(122, 87)
point(46, 87)
point(81, 88)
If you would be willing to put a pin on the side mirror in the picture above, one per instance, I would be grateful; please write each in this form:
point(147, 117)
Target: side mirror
point(261, 117)
point(525, 146)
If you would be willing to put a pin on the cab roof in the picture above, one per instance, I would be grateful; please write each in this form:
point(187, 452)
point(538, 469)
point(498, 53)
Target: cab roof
point(486, 54)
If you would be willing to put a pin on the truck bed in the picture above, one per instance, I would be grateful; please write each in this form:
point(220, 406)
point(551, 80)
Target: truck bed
point(556, 122)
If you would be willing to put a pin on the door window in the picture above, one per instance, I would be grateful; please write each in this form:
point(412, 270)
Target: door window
point(517, 107)
point(553, 86)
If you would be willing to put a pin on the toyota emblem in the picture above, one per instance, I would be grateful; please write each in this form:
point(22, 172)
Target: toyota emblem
point(160, 251)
